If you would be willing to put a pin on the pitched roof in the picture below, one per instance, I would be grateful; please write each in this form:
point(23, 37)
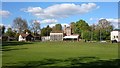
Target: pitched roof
point(116, 30)
point(25, 35)
point(57, 31)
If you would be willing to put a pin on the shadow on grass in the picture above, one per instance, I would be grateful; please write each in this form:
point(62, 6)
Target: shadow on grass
point(78, 62)
point(13, 43)
point(10, 49)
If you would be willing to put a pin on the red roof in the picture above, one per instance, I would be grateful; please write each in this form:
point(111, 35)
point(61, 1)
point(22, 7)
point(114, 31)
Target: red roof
point(25, 35)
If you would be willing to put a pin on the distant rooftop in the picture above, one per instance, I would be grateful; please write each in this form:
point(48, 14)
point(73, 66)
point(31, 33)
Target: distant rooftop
point(57, 31)
point(116, 30)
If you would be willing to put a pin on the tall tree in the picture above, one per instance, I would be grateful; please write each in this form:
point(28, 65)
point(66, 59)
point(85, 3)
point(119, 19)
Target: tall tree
point(104, 24)
point(104, 27)
point(10, 33)
point(2, 29)
point(96, 35)
point(46, 31)
point(86, 35)
point(81, 26)
point(35, 27)
point(72, 25)
point(57, 28)
point(20, 24)
point(92, 31)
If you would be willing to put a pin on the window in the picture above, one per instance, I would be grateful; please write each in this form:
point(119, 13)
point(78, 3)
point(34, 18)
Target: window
point(116, 36)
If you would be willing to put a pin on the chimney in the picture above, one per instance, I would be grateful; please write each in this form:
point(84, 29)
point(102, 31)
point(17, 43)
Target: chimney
point(27, 33)
point(64, 28)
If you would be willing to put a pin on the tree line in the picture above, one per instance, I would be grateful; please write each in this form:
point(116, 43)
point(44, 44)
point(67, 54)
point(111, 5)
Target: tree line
point(99, 31)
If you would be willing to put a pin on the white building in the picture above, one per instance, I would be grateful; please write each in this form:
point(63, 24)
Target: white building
point(21, 38)
point(45, 38)
point(56, 36)
point(71, 37)
point(115, 35)
point(25, 37)
point(67, 30)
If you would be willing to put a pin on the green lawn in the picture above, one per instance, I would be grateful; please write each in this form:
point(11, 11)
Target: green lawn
point(58, 54)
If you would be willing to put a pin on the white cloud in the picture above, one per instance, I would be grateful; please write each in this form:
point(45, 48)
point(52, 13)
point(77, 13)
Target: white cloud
point(33, 10)
point(91, 19)
point(1, 24)
point(51, 25)
point(8, 26)
point(4, 13)
point(112, 20)
point(115, 22)
point(61, 10)
point(49, 21)
point(36, 21)
point(65, 24)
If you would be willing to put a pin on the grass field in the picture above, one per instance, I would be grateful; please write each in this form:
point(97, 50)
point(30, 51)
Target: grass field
point(59, 54)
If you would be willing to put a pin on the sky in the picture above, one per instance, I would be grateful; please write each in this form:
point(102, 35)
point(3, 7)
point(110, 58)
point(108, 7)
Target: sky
point(51, 13)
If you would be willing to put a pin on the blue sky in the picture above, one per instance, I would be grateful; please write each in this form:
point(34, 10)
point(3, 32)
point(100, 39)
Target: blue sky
point(50, 13)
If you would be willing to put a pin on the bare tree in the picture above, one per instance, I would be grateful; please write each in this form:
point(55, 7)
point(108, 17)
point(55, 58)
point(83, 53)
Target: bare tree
point(35, 27)
point(104, 28)
point(20, 24)
point(103, 24)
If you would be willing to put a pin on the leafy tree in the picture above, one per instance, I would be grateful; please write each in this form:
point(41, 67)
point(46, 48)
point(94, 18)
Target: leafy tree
point(2, 29)
point(96, 35)
point(72, 24)
point(105, 28)
point(17, 35)
point(43, 32)
point(46, 31)
point(81, 26)
point(86, 35)
point(10, 33)
point(20, 24)
point(57, 28)
point(92, 31)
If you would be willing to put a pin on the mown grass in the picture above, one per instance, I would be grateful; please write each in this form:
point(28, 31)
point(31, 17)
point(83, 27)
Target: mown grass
point(60, 54)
